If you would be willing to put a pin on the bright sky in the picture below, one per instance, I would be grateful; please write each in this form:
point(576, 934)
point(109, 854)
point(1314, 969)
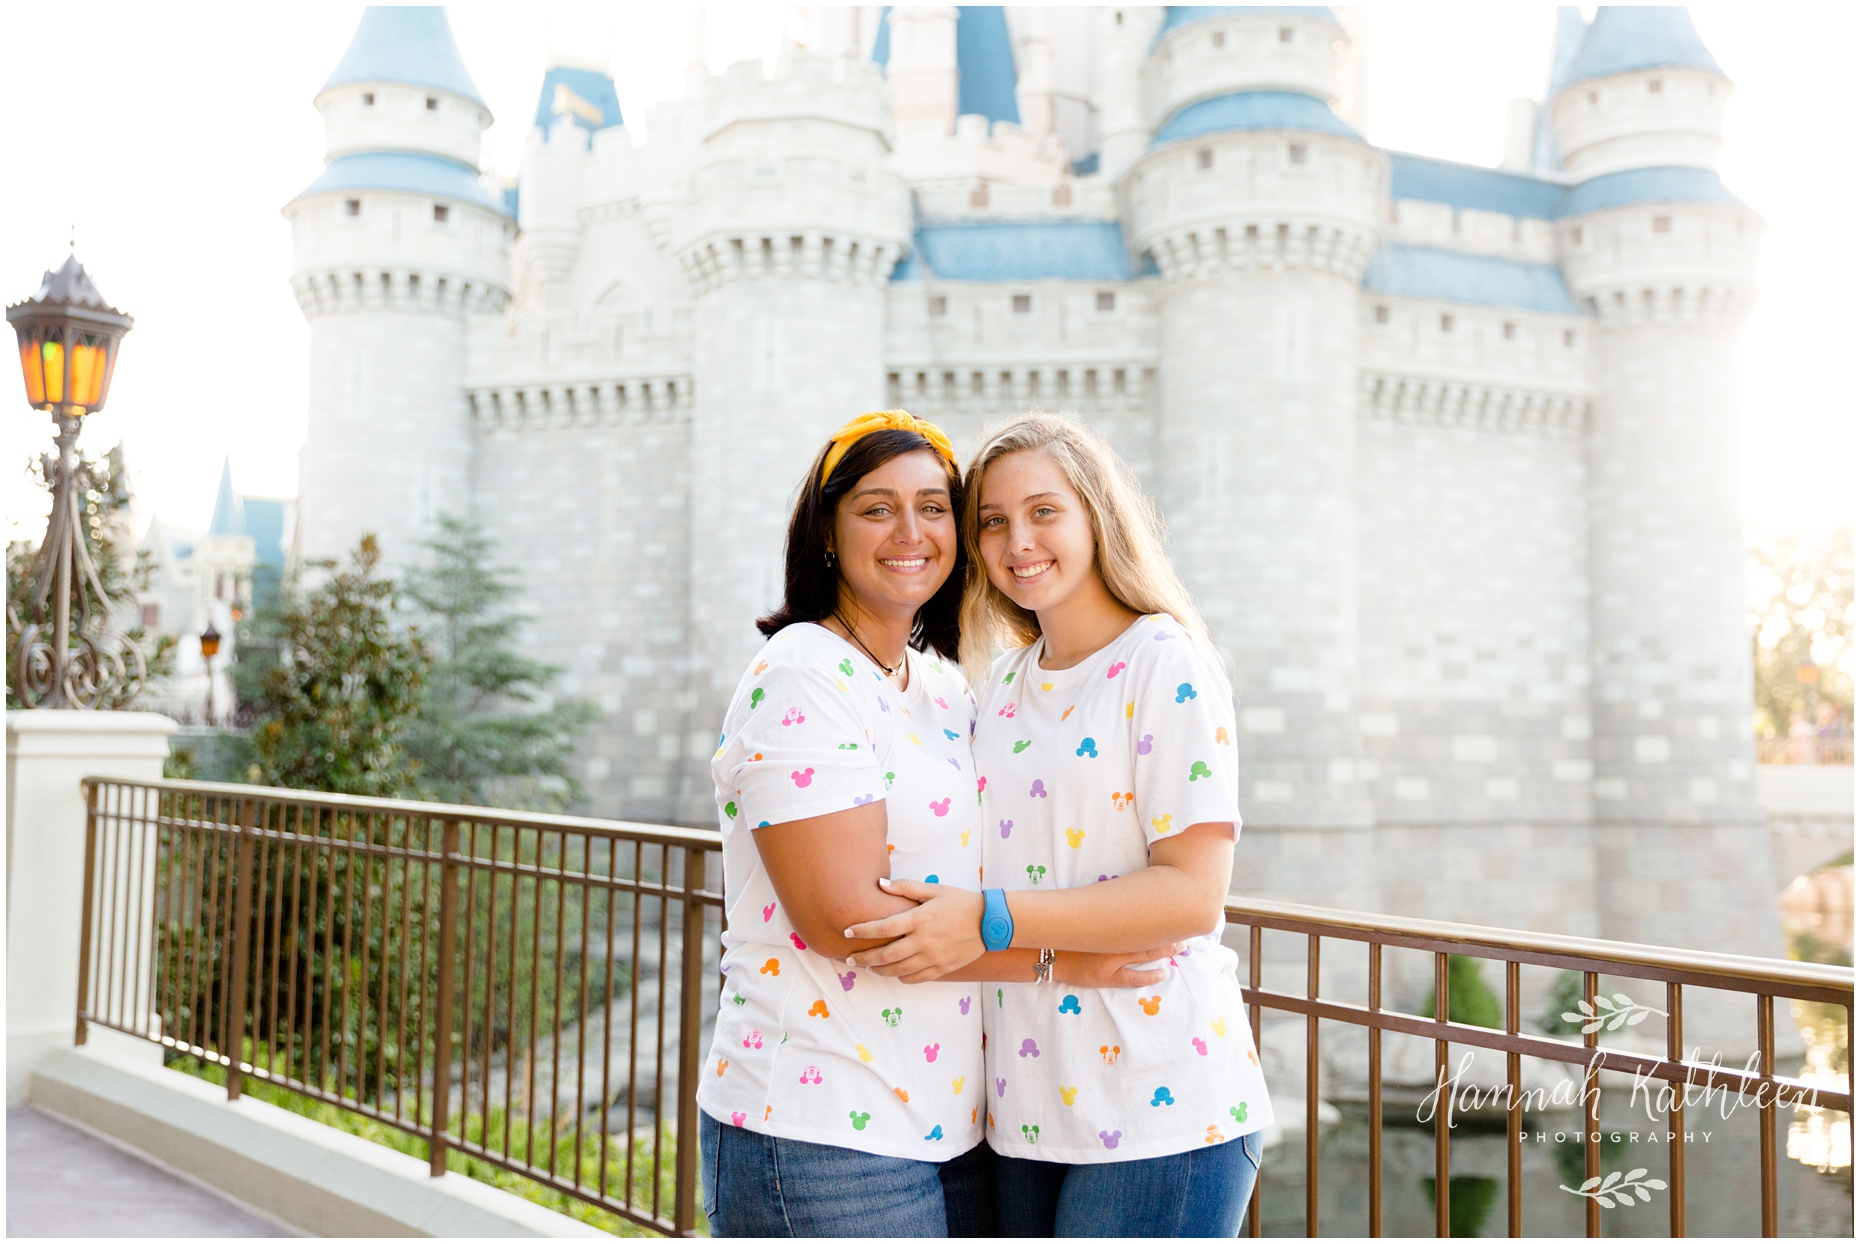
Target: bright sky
point(172, 134)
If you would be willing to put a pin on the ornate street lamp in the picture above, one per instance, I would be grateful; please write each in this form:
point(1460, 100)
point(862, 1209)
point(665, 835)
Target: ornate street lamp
point(210, 648)
point(68, 338)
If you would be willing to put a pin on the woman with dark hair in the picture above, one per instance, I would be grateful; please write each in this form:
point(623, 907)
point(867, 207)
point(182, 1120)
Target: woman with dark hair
point(836, 1101)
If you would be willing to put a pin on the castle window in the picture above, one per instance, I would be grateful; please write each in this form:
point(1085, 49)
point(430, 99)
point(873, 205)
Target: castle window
point(978, 197)
point(1511, 330)
point(1517, 229)
point(353, 207)
point(1456, 220)
point(1594, 97)
point(1382, 315)
point(1446, 323)
point(1569, 334)
point(939, 305)
point(1285, 34)
point(440, 213)
point(1219, 39)
point(1575, 236)
point(1119, 19)
point(1394, 212)
point(1662, 224)
point(1062, 196)
point(151, 617)
point(368, 99)
point(1023, 304)
point(1299, 153)
point(1204, 158)
point(432, 103)
point(1107, 300)
point(1655, 86)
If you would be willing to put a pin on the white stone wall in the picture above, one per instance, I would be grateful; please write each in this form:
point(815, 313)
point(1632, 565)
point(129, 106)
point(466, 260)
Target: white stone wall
point(389, 446)
point(592, 511)
point(1260, 249)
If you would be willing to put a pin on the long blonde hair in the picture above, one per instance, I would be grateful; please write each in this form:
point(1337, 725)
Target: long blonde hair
point(1127, 528)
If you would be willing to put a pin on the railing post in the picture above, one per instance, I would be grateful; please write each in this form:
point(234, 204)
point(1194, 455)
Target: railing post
point(245, 847)
point(442, 1022)
point(84, 930)
point(1443, 1188)
point(690, 1021)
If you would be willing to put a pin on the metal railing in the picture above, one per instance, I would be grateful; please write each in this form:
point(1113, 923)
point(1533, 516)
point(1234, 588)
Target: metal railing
point(515, 988)
point(1763, 981)
point(507, 986)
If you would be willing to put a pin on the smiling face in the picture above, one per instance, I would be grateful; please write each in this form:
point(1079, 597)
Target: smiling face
point(895, 537)
point(1034, 533)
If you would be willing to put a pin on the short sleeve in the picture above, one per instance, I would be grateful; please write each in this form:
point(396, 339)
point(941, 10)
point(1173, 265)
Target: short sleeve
point(802, 748)
point(1182, 732)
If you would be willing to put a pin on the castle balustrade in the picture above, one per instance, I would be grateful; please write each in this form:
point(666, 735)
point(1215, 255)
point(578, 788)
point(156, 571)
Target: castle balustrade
point(581, 403)
point(533, 992)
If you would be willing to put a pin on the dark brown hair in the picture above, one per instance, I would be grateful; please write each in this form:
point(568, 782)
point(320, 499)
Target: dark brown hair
point(811, 589)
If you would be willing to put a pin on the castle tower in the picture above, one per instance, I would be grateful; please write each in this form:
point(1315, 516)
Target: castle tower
point(1663, 257)
point(1259, 207)
point(792, 225)
point(395, 244)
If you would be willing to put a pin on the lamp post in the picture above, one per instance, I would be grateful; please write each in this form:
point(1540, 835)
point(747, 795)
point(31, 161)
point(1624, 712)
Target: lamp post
point(68, 339)
point(209, 648)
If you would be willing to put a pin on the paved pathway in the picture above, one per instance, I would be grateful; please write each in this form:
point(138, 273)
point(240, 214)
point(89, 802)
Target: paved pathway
point(64, 1182)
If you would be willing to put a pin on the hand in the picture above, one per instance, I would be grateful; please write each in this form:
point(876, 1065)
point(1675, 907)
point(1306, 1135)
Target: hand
point(1112, 971)
point(941, 934)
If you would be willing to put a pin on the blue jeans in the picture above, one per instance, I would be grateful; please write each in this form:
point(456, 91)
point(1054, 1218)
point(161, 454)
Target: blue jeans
point(756, 1185)
point(1202, 1192)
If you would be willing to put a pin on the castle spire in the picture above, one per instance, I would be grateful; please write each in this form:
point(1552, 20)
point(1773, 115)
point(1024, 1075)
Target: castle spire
point(408, 46)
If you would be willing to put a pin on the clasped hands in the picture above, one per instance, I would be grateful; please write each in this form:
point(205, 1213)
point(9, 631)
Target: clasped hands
point(943, 934)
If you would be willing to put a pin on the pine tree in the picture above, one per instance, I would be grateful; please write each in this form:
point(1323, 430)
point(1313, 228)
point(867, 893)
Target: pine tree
point(346, 689)
point(473, 739)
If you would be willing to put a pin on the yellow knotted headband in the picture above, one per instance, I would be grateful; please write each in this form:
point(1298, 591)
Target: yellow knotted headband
point(879, 421)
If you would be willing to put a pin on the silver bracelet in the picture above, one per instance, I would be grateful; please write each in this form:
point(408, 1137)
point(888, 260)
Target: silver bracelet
point(1043, 969)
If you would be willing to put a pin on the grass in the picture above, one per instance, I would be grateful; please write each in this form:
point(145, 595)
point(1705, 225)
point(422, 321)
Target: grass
point(484, 1172)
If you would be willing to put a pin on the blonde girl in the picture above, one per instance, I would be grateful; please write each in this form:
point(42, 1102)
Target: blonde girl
point(1105, 750)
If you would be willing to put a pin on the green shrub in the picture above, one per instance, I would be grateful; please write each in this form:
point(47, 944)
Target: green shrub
point(568, 1162)
point(1469, 999)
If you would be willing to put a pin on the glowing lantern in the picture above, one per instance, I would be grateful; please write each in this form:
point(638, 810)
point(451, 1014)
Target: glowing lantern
point(68, 338)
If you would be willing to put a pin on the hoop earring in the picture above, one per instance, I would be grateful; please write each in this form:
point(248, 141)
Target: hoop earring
point(829, 557)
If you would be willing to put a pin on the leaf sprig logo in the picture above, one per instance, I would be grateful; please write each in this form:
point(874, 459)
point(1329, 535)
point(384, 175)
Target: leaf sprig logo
point(1615, 1189)
point(1610, 1013)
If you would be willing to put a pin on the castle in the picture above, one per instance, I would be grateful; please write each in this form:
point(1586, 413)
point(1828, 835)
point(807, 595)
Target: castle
point(1447, 453)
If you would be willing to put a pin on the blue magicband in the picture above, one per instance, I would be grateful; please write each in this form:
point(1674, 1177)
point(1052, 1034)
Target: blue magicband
point(997, 921)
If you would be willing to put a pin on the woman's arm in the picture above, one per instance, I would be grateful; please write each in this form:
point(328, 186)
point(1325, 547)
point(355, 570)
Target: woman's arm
point(1180, 895)
point(826, 872)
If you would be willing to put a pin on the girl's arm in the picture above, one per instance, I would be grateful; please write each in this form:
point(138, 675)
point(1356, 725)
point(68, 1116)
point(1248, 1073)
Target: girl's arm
point(828, 871)
point(1180, 895)
point(1070, 967)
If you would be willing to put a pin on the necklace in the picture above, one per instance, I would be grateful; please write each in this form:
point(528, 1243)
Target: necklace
point(890, 670)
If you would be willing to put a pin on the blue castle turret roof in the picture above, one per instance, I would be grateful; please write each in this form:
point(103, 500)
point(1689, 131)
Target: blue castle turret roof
point(985, 72)
point(1253, 110)
point(584, 95)
point(408, 172)
point(1625, 38)
point(411, 45)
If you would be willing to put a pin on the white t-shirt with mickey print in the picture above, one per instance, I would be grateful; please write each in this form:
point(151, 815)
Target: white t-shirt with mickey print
point(1082, 769)
point(806, 1047)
